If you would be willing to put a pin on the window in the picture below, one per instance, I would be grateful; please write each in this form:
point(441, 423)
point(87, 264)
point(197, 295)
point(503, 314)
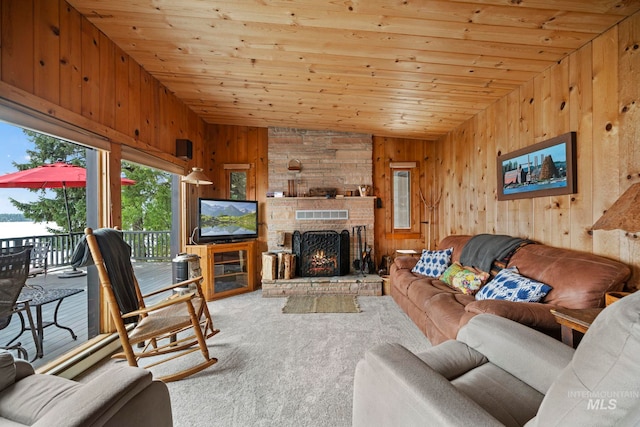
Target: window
point(238, 185)
point(402, 199)
point(404, 219)
point(239, 179)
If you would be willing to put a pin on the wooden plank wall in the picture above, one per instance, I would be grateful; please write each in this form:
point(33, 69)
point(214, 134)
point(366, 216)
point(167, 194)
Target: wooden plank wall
point(385, 151)
point(55, 61)
point(595, 92)
point(226, 144)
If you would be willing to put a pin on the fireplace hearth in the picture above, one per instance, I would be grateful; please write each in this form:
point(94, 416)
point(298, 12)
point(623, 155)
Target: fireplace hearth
point(321, 253)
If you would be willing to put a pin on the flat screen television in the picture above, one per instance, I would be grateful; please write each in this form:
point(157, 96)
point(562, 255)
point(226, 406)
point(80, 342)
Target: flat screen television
point(222, 220)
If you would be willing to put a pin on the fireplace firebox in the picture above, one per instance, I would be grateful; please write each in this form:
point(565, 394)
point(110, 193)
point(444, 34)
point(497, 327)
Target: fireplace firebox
point(321, 253)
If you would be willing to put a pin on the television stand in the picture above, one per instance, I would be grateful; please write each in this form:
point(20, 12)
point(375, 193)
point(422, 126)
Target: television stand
point(227, 268)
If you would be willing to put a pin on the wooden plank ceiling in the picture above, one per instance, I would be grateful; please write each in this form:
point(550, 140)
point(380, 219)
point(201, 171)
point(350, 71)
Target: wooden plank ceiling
point(403, 68)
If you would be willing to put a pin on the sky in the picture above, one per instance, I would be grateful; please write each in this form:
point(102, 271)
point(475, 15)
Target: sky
point(557, 152)
point(14, 145)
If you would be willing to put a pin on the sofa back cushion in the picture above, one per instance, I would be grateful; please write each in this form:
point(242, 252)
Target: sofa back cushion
point(601, 385)
point(578, 279)
point(457, 243)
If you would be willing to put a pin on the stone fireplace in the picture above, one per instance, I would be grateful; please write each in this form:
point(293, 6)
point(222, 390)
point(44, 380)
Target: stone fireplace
point(323, 159)
point(327, 159)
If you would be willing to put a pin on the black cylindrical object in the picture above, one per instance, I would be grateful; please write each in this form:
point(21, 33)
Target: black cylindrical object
point(185, 266)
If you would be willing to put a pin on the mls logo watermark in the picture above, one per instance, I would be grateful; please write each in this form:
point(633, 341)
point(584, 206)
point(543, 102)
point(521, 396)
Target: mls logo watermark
point(603, 400)
point(602, 404)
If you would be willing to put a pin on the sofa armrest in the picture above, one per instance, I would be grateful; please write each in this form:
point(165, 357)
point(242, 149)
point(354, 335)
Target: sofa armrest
point(98, 401)
point(405, 262)
point(531, 314)
point(393, 387)
point(531, 356)
point(452, 358)
point(23, 369)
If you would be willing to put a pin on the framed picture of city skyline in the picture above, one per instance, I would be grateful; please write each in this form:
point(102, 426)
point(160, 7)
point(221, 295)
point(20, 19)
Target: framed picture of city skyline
point(547, 168)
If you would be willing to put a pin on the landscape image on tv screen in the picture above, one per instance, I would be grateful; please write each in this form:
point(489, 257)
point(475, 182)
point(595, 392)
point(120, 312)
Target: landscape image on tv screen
point(228, 219)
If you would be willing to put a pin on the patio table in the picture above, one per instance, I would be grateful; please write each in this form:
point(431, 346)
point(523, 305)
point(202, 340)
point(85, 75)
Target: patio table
point(37, 298)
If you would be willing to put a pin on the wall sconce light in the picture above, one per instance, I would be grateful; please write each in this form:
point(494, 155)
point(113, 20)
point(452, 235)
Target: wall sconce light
point(197, 177)
point(624, 214)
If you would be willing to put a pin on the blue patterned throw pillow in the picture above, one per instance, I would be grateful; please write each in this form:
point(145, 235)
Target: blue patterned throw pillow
point(509, 285)
point(433, 263)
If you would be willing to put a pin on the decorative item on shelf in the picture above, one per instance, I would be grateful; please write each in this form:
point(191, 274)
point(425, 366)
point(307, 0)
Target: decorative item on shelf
point(291, 191)
point(294, 165)
point(301, 187)
point(197, 177)
point(364, 190)
point(322, 192)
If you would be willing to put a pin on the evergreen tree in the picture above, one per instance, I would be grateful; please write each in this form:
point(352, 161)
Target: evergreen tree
point(51, 209)
point(239, 185)
point(147, 204)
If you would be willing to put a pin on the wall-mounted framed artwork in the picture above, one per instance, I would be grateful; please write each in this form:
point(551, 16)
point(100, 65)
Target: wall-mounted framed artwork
point(547, 168)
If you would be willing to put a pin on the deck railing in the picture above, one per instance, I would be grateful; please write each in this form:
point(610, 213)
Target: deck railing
point(145, 245)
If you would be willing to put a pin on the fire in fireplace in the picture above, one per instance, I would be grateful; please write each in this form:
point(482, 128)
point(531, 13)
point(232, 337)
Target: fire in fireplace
point(321, 253)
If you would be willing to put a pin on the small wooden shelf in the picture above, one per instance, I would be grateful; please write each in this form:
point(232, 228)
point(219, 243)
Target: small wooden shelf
point(227, 268)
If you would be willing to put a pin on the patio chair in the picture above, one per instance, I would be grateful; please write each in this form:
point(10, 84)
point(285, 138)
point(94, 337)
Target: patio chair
point(39, 259)
point(176, 326)
point(14, 265)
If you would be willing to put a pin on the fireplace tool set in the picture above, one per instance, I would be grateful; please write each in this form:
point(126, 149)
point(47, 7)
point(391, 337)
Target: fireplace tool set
point(364, 263)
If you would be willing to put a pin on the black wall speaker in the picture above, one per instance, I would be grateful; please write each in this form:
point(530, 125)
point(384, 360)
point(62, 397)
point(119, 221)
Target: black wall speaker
point(184, 149)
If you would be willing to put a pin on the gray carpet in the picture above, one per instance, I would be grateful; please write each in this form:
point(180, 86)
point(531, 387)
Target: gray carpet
point(279, 369)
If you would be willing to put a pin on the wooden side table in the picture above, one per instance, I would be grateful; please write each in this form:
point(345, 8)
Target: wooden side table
point(574, 323)
point(386, 284)
point(409, 252)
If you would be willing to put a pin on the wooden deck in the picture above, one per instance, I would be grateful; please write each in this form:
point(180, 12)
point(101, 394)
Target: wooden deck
point(73, 310)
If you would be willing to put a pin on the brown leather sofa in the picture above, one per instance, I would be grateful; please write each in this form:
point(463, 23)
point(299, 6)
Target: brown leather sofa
point(578, 279)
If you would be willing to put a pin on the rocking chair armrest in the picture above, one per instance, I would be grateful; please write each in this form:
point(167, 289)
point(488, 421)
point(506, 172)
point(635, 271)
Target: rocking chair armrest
point(182, 284)
point(178, 299)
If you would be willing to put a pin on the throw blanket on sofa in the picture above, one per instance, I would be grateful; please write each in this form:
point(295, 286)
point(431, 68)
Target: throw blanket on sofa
point(483, 249)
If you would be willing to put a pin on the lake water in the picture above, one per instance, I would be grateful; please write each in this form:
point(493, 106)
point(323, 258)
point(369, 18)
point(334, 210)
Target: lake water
point(24, 229)
point(535, 187)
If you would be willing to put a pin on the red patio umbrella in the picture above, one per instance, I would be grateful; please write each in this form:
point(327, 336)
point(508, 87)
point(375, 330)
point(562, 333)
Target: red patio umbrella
point(55, 175)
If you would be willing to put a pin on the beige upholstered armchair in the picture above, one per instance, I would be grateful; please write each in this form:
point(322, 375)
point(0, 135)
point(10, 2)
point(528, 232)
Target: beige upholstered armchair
point(499, 372)
point(122, 396)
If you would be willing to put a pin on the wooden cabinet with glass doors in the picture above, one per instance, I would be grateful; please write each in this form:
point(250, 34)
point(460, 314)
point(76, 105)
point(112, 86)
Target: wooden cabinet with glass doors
point(227, 268)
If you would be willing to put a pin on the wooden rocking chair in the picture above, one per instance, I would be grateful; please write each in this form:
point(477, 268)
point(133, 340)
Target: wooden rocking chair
point(183, 321)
